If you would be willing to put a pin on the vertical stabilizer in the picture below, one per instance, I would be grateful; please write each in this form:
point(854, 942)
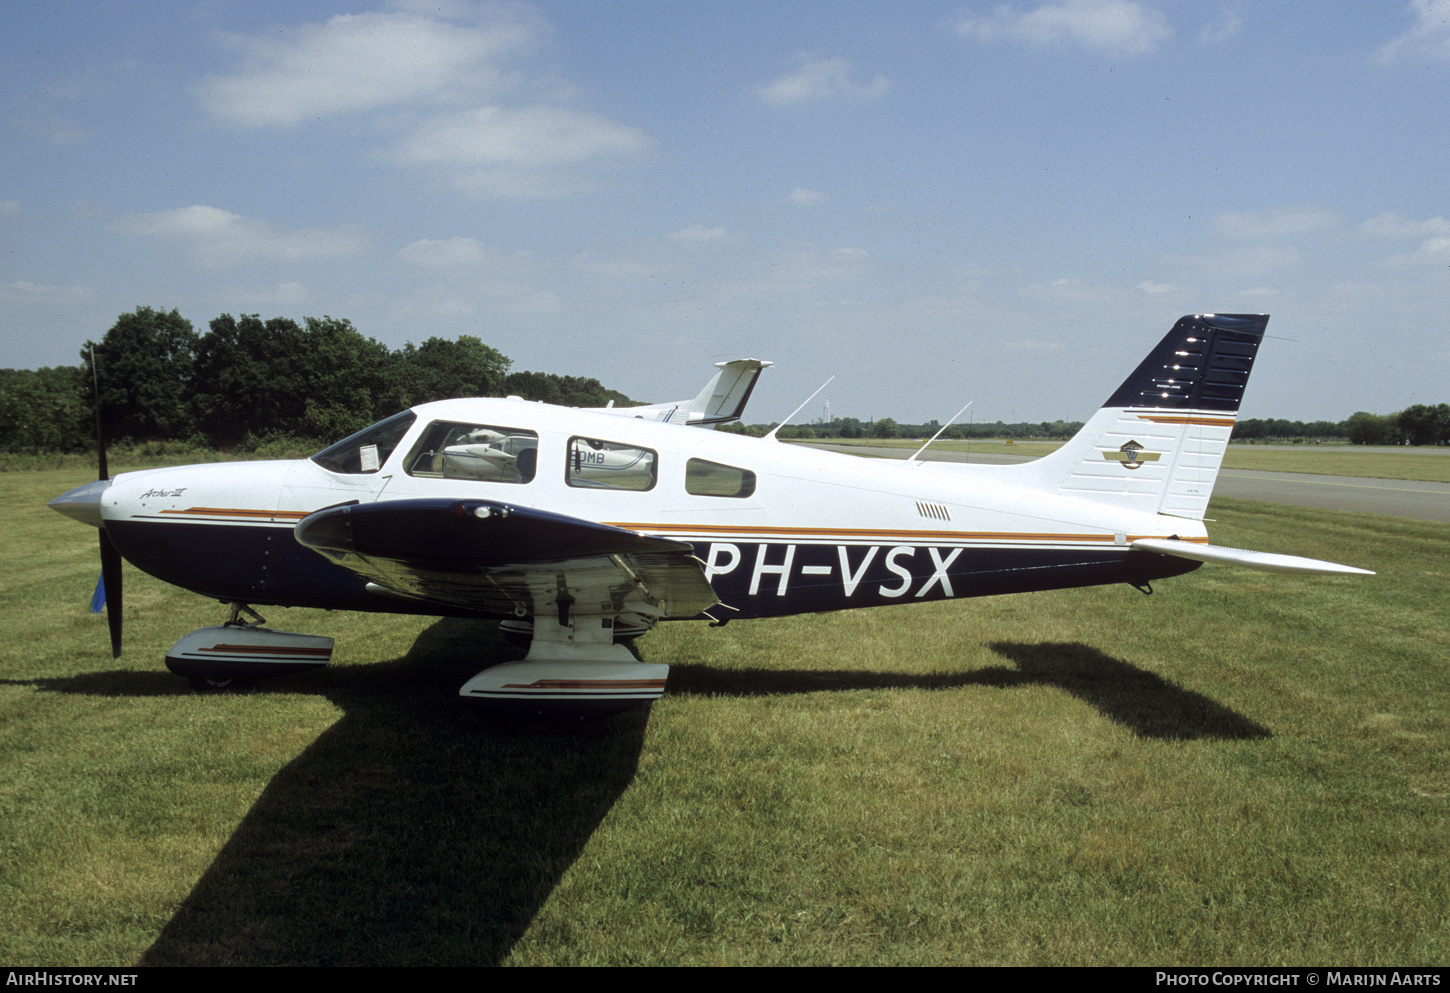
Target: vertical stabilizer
point(1157, 444)
point(725, 396)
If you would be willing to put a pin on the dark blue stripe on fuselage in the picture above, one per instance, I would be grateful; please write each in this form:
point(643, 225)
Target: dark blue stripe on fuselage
point(778, 578)
point(265, 565)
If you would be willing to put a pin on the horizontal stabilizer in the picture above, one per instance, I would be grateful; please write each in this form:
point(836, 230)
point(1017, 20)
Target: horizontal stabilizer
point(1263, 561)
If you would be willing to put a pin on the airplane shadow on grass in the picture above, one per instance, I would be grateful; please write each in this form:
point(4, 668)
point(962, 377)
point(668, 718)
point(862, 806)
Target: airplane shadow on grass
point(411, 832)
point(1146, 704)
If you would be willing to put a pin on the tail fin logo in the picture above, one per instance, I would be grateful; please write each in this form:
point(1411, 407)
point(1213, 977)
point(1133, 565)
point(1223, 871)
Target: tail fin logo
point(1131, 455)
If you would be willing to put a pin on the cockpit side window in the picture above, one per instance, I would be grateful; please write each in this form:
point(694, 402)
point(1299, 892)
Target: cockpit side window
point(713, 479)
point(610, 465)
point(368, 449)
point(487, 452)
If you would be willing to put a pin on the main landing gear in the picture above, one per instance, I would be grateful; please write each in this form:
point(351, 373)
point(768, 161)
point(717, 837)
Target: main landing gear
point(574, 670)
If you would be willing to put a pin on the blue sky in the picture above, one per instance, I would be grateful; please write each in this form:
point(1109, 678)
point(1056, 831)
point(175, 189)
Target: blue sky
point(1007, 203)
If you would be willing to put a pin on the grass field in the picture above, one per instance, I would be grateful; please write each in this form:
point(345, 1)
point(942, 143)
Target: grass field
point(1240, 768)
point(1425, 464)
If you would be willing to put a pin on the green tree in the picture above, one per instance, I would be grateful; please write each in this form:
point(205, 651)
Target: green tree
point(145, 362)
point(884, 428)
point(539, 386)
point(440, 370)
point(44, 410)
point(566, 391)
point(1365, 428)
point(1422, 424)
point(344, 378)
point(247, 379)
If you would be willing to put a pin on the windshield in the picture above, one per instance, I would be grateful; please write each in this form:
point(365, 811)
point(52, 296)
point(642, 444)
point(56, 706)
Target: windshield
point(367, 450)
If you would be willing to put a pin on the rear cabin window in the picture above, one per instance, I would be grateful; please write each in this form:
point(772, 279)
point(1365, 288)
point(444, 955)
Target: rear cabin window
point(713, 479)
point(486, 452)
point(610, 465)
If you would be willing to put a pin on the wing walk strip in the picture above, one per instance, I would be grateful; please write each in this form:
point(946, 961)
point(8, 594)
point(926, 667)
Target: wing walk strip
point(707, 531)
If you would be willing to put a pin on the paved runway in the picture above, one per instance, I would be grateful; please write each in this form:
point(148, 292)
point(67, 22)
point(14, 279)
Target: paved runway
point(1394, 497)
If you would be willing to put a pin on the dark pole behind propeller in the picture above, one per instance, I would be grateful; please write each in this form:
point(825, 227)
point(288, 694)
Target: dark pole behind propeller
point(110, 557)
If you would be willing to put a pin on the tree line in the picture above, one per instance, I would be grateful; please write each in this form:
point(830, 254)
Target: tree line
point(245, 381)
point(1420, 424)
point(886, 427)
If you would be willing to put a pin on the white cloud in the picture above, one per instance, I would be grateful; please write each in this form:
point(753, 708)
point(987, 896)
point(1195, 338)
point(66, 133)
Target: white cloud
point(1432, 251)
point(224, 238)
point(1430, 34)
point(24, 292)
point(1159, 289)
point(1076, 290)
point(524, 152)
point(528, 136)
point(802, 197)
point(1031, 347)
point(819, 79)
point(288, 294)
point(1252, 262)
point(445, 253)
point(436, 75)
point(359, 62)
point(1229, 25)
point(808, 265)
point(1397, 226)
point(1276, 223)
point(614, 272)
point(698, 232)
point(1120, 27)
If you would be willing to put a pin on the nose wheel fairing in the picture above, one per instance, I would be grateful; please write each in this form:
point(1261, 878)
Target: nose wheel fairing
point(236, 651)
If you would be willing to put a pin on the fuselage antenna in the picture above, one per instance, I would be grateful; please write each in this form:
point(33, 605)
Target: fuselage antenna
point(771, 436)
point(939, 430)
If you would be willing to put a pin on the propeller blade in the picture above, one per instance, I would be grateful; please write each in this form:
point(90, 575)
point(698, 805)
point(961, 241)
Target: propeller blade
point(102, 470)
point(110, 557)
point(111, 579)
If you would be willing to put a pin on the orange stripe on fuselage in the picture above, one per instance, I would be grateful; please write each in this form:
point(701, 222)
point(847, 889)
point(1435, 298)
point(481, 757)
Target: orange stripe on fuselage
point(240, 514)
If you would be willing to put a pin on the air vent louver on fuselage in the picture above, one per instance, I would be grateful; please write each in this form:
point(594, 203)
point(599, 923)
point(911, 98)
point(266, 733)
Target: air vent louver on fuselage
point(935, 511)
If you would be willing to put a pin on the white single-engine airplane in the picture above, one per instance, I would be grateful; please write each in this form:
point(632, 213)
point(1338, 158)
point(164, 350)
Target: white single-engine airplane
point(589, 527)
